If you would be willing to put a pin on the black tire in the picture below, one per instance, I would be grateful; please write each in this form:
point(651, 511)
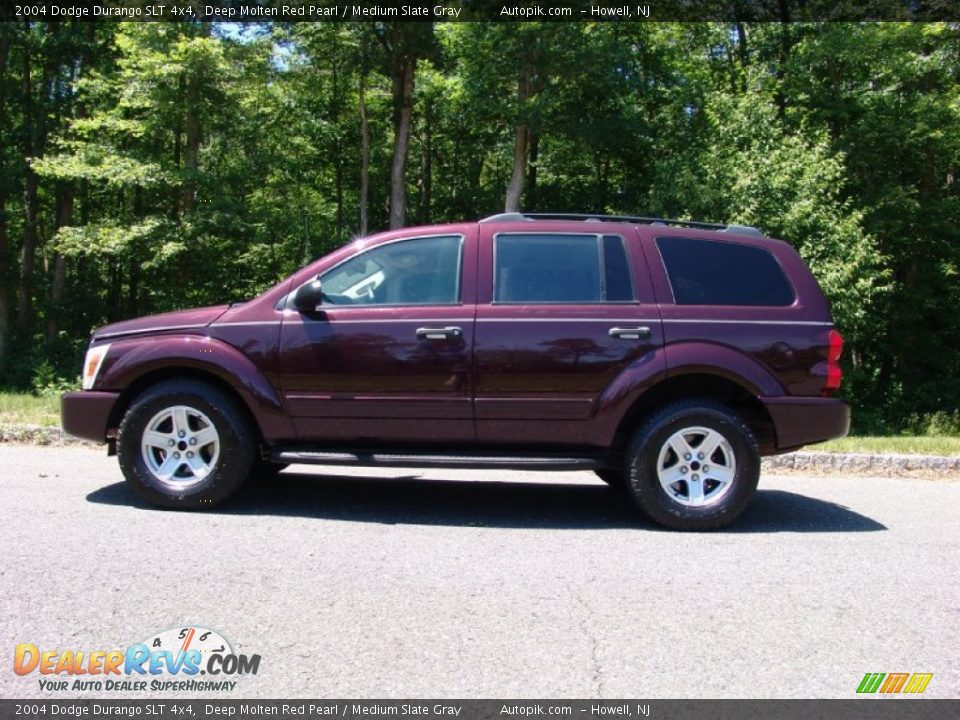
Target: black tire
point(226, 470)
point(670, 506)
point(612, 477)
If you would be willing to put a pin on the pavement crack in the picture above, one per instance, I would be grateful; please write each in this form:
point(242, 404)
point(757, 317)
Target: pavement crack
point(584, 623)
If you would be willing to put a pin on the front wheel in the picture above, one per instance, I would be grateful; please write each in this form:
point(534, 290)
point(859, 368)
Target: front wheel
point(694, 465)
point(185, 444)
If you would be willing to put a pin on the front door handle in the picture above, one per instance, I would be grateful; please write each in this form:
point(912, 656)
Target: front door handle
point(630, 333)
point(439, 333)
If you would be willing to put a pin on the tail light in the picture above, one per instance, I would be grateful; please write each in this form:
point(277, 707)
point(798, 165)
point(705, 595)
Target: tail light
point(834, 373)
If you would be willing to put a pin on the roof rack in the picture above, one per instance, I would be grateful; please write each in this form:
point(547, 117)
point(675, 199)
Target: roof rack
point(588, 217)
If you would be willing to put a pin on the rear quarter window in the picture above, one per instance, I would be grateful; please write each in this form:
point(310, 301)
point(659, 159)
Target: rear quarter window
point(707, 272)
point(561, 268)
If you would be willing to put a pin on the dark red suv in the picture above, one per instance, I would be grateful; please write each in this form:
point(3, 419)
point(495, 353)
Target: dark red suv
point(666, 356)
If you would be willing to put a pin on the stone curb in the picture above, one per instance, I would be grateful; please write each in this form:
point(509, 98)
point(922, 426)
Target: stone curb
point(862, 463)
point(857, 463)
point(39, 435)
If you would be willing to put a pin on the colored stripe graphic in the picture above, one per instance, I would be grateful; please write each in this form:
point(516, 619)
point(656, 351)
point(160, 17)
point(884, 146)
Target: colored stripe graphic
point(894, 682)
point(918, 682)
point(870, 682)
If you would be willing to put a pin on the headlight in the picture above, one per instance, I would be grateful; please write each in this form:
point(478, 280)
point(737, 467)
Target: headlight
point(92, 363)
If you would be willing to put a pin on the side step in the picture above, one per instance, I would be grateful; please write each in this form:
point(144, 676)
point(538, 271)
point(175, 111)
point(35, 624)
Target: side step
point(436, 460)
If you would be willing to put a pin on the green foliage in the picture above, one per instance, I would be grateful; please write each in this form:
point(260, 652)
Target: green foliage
point(46, 382)
point(108, 238)
point(754, 173)
point(204, 163)
point(941, 423)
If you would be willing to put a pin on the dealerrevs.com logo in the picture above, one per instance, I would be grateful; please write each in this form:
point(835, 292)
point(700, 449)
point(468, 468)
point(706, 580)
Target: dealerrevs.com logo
point(179, 659)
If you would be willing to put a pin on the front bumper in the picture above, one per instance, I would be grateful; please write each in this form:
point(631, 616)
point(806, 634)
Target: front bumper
point(800, 421)
point(86, 413)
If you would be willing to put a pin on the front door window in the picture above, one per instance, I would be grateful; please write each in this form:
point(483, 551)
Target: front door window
point(421, 271)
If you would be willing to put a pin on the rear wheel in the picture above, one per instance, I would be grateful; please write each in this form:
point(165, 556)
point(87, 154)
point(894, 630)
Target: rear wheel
point(694, 465)
point(185, 444)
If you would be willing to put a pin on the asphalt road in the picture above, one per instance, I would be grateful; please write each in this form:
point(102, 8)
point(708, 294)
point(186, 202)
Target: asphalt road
point(397, 583)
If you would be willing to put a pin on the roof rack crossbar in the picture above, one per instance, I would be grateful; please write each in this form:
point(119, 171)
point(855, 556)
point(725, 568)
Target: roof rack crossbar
point(743, 229)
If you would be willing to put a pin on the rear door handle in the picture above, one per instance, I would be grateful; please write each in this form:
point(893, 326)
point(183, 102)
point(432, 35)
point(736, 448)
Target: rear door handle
point(439, 333)
point(630, 333)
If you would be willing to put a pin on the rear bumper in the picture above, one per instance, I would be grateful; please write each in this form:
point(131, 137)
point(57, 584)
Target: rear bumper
point(804, 421)
point(85, 414)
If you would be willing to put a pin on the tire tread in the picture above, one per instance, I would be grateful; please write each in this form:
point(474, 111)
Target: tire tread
point(648, 498)
point(227, 478)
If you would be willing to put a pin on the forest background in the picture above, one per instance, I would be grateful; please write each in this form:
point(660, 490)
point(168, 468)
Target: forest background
point(146, 167)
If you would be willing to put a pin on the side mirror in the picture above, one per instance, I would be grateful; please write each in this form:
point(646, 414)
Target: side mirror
point(308, 297)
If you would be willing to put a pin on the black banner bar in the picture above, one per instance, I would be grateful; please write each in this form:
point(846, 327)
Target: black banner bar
point(858, 709)
point(241, 11)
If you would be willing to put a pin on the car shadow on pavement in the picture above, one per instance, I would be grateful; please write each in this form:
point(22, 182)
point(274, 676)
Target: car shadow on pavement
point(409, 499)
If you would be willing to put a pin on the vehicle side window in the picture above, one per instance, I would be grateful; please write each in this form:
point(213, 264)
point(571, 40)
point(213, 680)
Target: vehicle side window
point(547, 268)
point(419, 271)
point(706, 272)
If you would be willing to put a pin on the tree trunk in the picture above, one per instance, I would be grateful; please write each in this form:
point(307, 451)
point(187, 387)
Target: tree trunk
point(113, 290)
point(426, 166)
point(4, 300)
point(64, 218)
point(601, 170)
point(191, 154)
point(338, 182)
point(336, 108)
point(65, 203)
point(403, 85)
point(521, 138)
point(194, 134)
point(134, 288)
point(30, 210)
point(532, 171)
point(364, 158)
point(743, 52)
point(177, 154)
point(785, 45)
point(743, 47)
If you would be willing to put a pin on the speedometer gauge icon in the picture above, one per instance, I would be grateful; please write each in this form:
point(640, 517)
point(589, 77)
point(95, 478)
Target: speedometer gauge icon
point(190, 637)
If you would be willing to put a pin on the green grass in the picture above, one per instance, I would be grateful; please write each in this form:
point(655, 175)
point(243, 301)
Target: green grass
point(25, 409)
point(899, 444)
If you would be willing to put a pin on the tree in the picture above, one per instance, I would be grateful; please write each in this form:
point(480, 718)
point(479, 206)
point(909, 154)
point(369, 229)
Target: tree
point(404, 45)
point(148, 166)
point(5, 39)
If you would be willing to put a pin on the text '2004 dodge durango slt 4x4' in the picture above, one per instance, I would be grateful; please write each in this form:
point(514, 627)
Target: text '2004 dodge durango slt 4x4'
point(667, 356)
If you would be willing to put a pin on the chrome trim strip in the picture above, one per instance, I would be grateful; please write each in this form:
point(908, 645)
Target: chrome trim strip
point(341, 321)
point(141, 331)
point(568, 320)
point(247, 322)
point(820, 323)
point(665, 320)
point(751, 322)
